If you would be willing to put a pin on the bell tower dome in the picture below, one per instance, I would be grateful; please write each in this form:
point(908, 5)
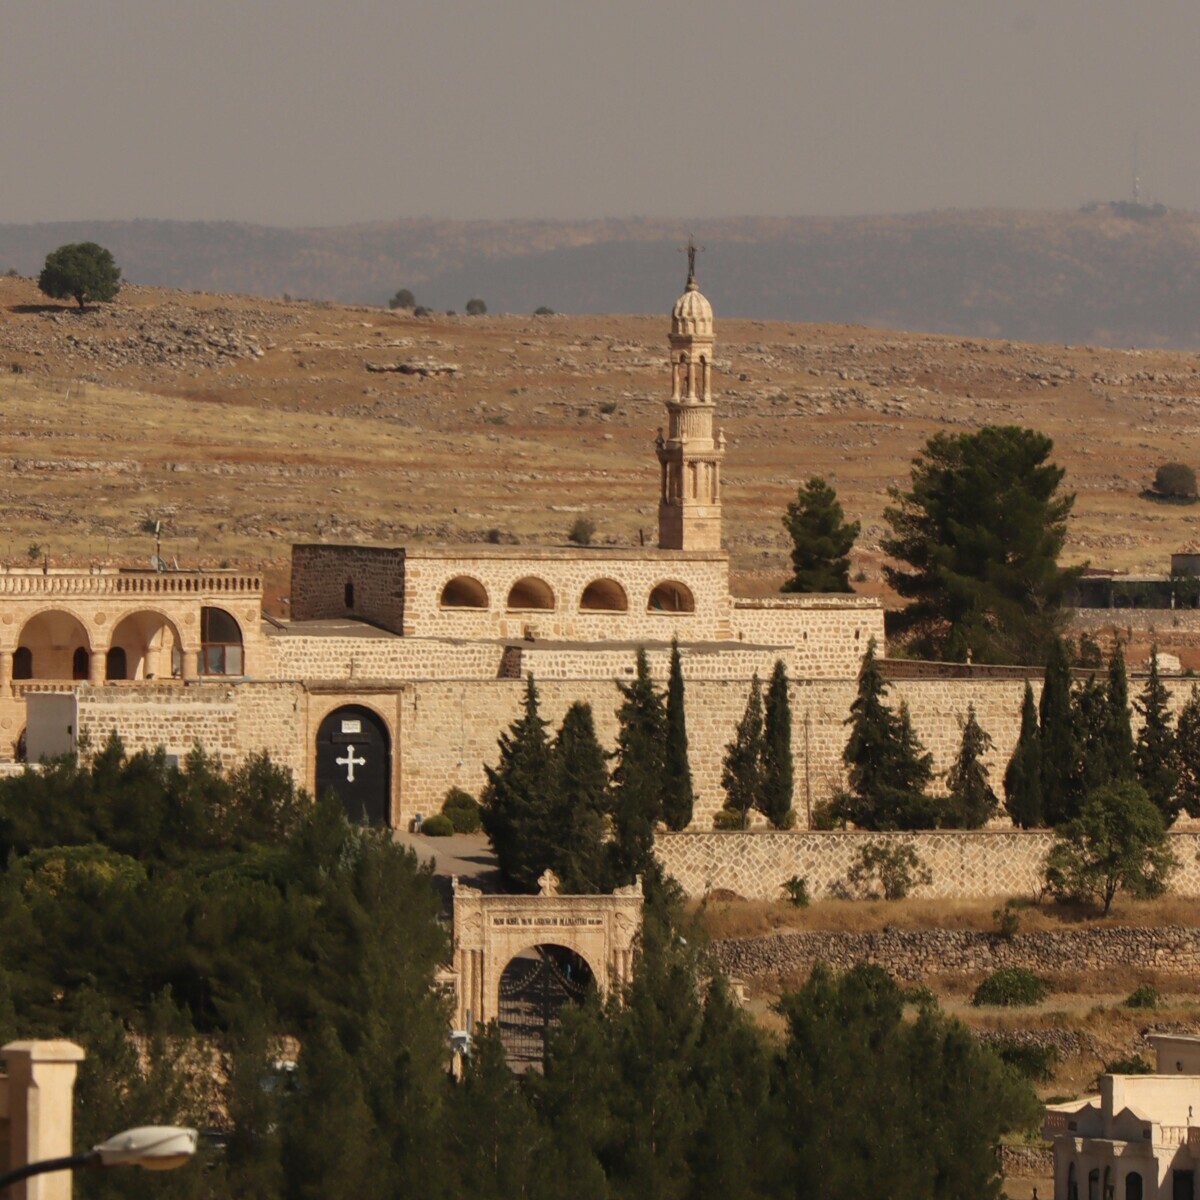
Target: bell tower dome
point(689, 506)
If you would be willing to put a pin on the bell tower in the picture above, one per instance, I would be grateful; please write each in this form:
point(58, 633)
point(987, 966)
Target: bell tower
point(689, 506)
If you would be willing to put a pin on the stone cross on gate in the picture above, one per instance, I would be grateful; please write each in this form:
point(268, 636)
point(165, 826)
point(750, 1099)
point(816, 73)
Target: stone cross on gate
point(350, 762)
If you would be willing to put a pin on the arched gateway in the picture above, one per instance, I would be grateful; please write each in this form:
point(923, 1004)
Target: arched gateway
point(519, 959)
point(354, 761)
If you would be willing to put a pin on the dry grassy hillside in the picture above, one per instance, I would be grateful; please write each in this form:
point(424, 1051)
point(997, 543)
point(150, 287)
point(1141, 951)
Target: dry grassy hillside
point(247, 424)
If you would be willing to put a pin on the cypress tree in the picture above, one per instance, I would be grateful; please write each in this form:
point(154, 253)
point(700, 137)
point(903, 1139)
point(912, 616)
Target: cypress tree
point(778, 777)
point(1187, 745)
point(972, 802)
point(1023, 778)
point(1059, 748)
point(1156, 753)
point(637, 778)
point(580, 795)
point(515, 809)
point(742, 770)
point(1118, 735)
point(1089, 707)
point(678, 798)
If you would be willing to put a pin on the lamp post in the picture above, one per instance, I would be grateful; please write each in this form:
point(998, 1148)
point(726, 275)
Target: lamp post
point(155, 1147)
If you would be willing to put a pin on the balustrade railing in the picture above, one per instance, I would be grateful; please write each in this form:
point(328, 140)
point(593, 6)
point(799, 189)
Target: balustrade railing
point(168, 583)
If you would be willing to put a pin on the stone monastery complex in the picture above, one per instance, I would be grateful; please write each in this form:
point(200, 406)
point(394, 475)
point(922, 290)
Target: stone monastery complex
point(399, 667)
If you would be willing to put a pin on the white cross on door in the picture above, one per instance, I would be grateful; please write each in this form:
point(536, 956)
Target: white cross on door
point(350, 762)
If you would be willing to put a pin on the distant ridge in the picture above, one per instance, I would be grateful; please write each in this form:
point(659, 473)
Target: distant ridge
point(1115, 274)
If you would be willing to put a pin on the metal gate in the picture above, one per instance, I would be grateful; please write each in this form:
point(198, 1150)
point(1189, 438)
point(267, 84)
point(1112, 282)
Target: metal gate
point(354, 761)
point(533, 990)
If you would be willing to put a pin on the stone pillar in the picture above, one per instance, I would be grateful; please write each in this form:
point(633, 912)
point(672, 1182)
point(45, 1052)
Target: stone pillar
point(189, 663)
point(96, 668)
point(6, 657)
point(41, 1084)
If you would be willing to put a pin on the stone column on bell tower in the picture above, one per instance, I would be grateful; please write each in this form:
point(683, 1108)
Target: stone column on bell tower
point(689, 506)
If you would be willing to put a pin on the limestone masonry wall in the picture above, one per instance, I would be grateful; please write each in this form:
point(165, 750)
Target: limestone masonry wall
point(829, 634)
point(300, 656)
point(964, 864)
point(168, 715)
point(919, 953)
point(320, 575)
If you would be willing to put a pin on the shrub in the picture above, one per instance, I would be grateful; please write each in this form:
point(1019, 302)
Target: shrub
point(797, 891)
point(543, 311)
point(1136, 1065)
point(1007, 921)
point(476, 307)
point(402, 299)
point(422, 311)
point(896, 868)
point(1142, 996)
point(1175, 479)
point(463, 810)
point(582, 532)
point(1011, 987)
point(439, 825)
point(608, 407)
point(1036, 1063)
point(729, 818)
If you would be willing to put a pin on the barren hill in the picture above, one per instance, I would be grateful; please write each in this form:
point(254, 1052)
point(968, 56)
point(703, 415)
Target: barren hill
point(1119, 274)
point(247, 424)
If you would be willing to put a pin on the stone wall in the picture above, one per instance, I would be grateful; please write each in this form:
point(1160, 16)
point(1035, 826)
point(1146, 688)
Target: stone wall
point(320, 575)
point(919, 953)
point(168, 715)
point(829, 634)
point(964, 864)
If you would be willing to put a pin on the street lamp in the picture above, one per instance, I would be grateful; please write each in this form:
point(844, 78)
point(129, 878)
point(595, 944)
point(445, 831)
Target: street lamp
point(155, 1147)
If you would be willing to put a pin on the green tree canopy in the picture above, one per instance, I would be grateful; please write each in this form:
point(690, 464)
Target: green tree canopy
point(1187, 743)
point(678, 797)
point(1023, 776)
point(1117, 843)
point(742, 767)
point(80, 270)
point(978, 535)
point(778, 775)
point(1157, 752)
point(972, 803)
point(821, 540)
point(888, 768)
point(1059, 744)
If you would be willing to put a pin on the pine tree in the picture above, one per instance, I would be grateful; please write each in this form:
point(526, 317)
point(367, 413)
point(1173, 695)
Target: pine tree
point(1118, 734)
point(886, 765)
point(1023, 778)
point(821, 540)
point(1187, 744)
point(516, 802)
point(778, 776)
point(1156, 754)
point(742, 770)
point(638, 776)
point(678, 798)
point(972, 802)
point(580, 792)
point(1059, 748)
point(1093, 724)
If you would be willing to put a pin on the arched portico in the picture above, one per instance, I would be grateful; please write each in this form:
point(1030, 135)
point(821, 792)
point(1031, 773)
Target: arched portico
point(53, 645)
point(149, 643)
point(491, 931)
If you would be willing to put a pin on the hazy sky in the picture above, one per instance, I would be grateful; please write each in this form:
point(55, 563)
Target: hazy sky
point(318, 112)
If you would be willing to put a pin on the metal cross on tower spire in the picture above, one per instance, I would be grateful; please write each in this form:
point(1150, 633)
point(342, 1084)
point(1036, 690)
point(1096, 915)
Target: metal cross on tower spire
point(691, 249)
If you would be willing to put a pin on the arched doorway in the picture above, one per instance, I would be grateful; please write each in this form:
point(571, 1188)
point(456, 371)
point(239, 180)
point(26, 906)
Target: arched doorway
point(534, 988)
point(143, 645)
point(354, 761)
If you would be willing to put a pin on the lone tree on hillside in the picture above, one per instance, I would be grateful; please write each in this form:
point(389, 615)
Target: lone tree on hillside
point(81, 270)
point(402, 299)
point(821, 540)
point(1176, 480)
point(978, 535)
point(476, 307)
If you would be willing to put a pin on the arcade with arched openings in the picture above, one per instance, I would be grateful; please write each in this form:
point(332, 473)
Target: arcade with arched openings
point(144, 645)
point(53, 645)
